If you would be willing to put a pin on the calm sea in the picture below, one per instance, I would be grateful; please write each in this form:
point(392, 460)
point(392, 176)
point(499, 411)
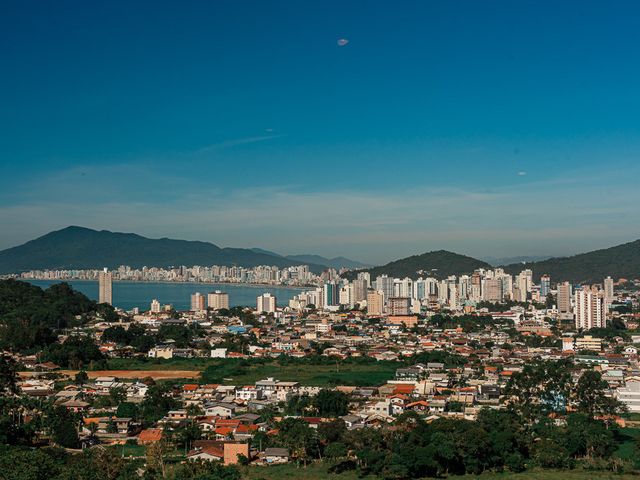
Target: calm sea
point(128, 295)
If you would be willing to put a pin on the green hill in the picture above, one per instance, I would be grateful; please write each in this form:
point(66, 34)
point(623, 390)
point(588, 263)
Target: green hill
point(440, 264)
point(622, 261)
point(82, 248)
point(30, 317)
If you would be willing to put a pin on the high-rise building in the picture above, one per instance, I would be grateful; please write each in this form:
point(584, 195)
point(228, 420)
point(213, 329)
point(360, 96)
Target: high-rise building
point(384, 284)
point(346, 295)
point(590, 308)
point(523, 286)
point(564, 298)
point(266, 303)
point(375, 302)
point(155, 306)
point(197, 302)
point(366, 276)
point(492, 288)
point(359, 290)
point(608, 290)
point(399, 306)
point(331, 294)
point(105, 287)
point(217, 300)
point(545, 286)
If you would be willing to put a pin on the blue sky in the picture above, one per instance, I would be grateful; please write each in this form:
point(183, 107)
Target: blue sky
point(492, 128)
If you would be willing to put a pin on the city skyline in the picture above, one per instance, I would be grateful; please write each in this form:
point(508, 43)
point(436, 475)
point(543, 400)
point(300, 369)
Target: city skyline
point(363, 129)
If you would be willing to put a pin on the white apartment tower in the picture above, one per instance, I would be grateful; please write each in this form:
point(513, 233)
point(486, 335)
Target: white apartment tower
point(217, 300)
point(155, 306)
point(266, 303)
point(590, 308)
point(197, 302)
point(608, 290)
point(105, 287)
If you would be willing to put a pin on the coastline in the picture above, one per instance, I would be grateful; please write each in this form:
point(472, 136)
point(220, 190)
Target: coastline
point(233, 284)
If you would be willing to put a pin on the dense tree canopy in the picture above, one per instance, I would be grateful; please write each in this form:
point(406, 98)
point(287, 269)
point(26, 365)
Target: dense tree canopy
point(30, 316)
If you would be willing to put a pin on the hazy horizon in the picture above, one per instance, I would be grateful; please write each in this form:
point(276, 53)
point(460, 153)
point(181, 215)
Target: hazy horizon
point(362, 129)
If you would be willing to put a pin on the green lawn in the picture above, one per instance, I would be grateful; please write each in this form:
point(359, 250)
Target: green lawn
point(317, 375)
point(627, 449)
point(313, 374)
point(551, 475)
point(320, 472)
point(290, 471)
point(157, 364)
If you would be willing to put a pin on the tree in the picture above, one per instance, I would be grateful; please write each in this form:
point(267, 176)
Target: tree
point(155, 459)
point(8, 370)
point(331, 403)
point(127, 410)
point(81, 378)
point(117, 395)
point(336, 450)
point(296, 435)
point(187, 432)
point(157, 403)
point(62, 425)
point(591, 398)
point(586, 437)
point(333, 431)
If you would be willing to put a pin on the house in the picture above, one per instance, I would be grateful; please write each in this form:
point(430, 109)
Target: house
point(106, 383)
point(225, 410)
point(209, 453)
point(352, 421)
point(276, 455)
point(75, 405)
point(176, 415)
point(161, 352)
point(149, 436)
point(219, 353)
point(419, 406)
point(249, 392)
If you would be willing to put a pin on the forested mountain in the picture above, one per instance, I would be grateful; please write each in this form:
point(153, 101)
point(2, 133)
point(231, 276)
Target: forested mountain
point(621, 261)
point(440, 264)
point(31, 316)
point(81, 248)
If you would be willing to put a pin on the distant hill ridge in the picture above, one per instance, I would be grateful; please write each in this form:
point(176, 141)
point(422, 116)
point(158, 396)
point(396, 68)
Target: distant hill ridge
point(84, 248)
point(439, 263)
point(621, 261)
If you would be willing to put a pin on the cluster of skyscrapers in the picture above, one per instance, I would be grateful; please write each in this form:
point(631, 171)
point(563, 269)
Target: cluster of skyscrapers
point(265, 274)
point(395, 296)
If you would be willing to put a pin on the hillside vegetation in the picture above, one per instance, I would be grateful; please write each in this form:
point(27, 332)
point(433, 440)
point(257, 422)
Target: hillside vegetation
point(622, 261)
point(84, 248)
point(31, 316)
point(440, 264)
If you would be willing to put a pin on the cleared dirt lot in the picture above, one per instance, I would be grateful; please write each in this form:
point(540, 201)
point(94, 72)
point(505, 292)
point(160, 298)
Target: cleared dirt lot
point(155, 374)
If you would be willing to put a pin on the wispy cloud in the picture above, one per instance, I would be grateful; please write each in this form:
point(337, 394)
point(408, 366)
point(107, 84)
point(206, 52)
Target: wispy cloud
point(533, 217)
point(236, 142)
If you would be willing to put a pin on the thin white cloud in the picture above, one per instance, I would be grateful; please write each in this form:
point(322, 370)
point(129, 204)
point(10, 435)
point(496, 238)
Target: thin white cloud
point(237, 142)
point(375, 226)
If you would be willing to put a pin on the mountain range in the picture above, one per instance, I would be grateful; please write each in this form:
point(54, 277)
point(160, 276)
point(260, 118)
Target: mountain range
point(84, 248)
point(440, 264)
point(337, 262)
point(622, 261)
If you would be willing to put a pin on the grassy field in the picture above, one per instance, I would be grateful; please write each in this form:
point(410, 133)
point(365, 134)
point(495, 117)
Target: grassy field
point(320, 472)
point(627, 449)
point(316, 375)
point(347, 373)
